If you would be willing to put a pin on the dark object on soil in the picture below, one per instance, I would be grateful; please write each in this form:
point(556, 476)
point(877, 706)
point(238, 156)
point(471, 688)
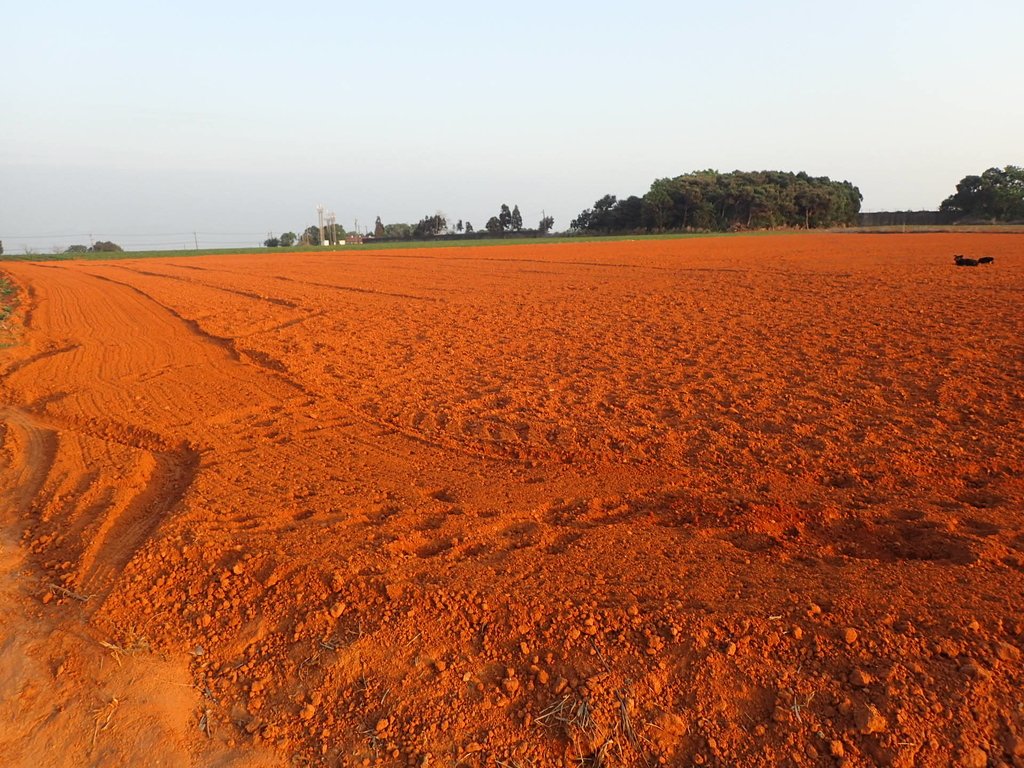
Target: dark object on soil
point(986, 260)
point(960, 261)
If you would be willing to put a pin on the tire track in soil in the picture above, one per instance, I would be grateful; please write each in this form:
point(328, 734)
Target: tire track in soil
point(224, 343)
point(47, 353)
point(281, 278)
point(112, 527)
point(568, 264)
point(235, 291)
point(128, 525)
point(354, 289)
point(117, 483)
point(55, 675)
point(29, 451)
point(272, 364)
point(254, 357)
point(83, 492)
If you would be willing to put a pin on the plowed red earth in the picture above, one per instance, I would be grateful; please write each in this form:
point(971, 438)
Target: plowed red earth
point(724, 501)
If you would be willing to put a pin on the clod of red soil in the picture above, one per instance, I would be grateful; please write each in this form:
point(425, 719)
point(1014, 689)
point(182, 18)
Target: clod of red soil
point(1014, 746)
point(710, 501)
point(860, 678)
point(1007, 652)
point(868, 719)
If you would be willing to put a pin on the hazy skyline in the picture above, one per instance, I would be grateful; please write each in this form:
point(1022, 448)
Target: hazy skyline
point(122, 120)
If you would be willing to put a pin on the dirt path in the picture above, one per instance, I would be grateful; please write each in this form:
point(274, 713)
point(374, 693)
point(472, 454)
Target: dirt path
point(732, 501)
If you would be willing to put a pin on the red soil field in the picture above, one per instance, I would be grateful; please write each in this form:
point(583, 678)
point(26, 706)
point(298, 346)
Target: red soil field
point(722, 501)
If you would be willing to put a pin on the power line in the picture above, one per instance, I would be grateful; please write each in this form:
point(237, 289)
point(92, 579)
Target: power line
point(133, 234)
point(41, 237)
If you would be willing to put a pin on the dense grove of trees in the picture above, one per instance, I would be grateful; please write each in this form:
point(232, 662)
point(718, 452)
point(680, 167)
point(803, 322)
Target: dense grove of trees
point(510, 221)
point(996, 195)
point(287, 240)
point(430, 226)
point(310, 236)
point(709, 200)
point(398, 231)
point(105, 246)
point(100, 246)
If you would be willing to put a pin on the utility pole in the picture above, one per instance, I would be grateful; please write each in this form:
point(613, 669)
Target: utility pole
point(320, 221)
point(196, 238)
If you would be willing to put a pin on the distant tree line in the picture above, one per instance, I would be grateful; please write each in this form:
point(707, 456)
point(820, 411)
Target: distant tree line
point(997, 195)
point(333, 235)
point(709, 200)
point(994, 197)
point(508, 223)
point(100, 246)
point(703, 200)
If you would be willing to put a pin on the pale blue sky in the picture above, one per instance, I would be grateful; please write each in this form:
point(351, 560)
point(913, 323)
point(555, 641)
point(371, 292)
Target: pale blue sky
point(123, 118)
